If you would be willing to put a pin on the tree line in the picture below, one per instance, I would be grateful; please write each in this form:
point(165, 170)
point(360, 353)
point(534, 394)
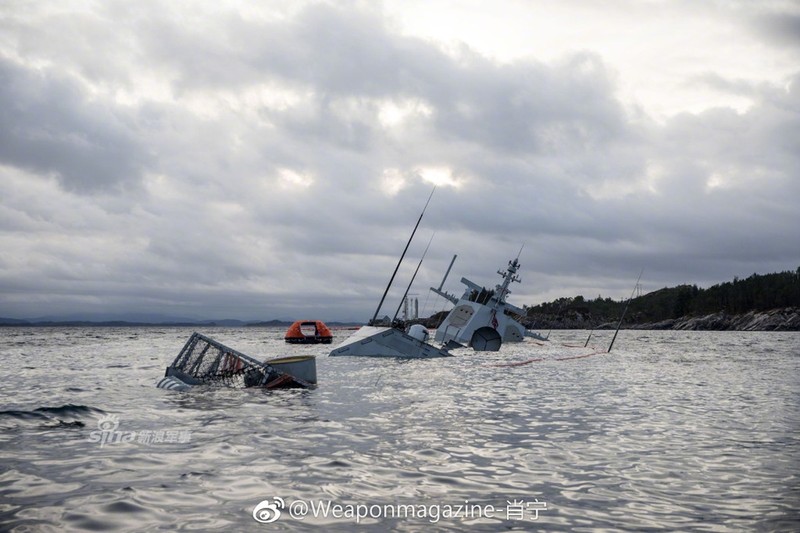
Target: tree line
point(755, 293)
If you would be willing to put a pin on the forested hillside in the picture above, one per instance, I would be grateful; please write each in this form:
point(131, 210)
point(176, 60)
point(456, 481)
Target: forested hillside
point(741, 296)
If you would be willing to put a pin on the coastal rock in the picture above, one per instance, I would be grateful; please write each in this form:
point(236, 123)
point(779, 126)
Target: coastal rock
point(783, 319)
point(664, 324)
point(713, 322)
point(774, 320)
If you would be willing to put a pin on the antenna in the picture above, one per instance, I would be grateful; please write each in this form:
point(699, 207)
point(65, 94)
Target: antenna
point(391, 280)
point(448, 272)
point(624, 311)
point(412, 277)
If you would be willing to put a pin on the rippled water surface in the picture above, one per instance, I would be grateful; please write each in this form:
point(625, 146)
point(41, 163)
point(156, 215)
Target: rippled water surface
point(672, 430)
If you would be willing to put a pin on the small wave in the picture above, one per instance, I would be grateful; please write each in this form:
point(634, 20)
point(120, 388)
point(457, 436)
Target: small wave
point(24, 415)
point(70, 410)
point(64, 416)
point(123, 507)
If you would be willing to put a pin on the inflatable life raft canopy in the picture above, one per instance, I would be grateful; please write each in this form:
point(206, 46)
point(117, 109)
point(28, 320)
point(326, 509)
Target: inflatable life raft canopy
point(308, 332)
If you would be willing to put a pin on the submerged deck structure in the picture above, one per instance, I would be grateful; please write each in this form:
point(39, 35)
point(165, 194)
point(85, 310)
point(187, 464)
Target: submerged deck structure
point(383, 341)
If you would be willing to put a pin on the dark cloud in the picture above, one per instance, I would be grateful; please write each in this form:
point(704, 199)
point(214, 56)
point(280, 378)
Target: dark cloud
point(780, 28)
point(48, 124)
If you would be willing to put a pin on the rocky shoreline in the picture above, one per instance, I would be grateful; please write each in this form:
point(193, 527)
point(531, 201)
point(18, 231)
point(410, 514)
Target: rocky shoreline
point(774, 320)
point(785, 319)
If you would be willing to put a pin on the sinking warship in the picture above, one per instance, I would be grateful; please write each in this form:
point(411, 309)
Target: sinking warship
point(482, 319)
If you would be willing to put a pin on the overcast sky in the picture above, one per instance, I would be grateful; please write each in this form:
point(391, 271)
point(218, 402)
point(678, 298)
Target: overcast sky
point(260, 160)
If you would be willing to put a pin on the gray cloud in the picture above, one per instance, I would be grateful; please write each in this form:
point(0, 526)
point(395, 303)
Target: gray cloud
point(250, 182)
point(48, 125)
point(780, 28)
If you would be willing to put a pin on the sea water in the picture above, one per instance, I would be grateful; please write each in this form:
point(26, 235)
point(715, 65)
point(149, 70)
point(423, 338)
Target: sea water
point(689, 431)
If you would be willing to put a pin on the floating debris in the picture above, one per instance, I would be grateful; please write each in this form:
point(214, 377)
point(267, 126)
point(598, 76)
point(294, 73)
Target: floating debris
point(206, 361)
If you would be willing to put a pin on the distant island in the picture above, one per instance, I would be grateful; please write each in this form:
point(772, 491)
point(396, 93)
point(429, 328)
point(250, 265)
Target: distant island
point(224, 323)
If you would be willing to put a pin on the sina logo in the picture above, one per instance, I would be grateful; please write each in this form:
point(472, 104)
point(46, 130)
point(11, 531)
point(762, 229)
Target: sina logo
point(108, 423)
point(108, 432)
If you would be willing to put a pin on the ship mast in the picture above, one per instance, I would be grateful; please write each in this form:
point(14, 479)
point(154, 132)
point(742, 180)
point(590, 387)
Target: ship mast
point(509, 276)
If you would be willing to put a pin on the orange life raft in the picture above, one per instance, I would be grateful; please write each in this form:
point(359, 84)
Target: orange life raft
point(301, 333)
